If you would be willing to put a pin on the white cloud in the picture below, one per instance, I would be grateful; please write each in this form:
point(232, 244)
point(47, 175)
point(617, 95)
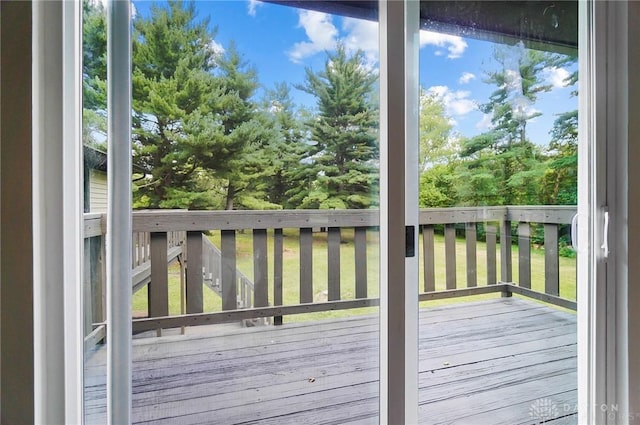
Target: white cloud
point(466, 78)
point(216, 47)
point(456, 103)
point(485, 123)
point(252, 6)
point(454, 44)
point(363, 35)
point(321, 34)
point(557, 77)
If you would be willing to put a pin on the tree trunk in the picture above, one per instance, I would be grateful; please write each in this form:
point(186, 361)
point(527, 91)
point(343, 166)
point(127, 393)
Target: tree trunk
point(231, 192)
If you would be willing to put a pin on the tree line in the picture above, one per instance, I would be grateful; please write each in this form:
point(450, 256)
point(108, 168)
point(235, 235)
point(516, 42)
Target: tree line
point(207, 142)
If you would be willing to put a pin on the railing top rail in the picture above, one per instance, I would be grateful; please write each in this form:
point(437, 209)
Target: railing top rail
point(181, 220)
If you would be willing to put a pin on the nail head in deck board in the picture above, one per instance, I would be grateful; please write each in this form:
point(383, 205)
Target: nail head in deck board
point(450, 254)
point(360, 242)
point(194, 272)
point(490, 234)
point(260, 268)
point(428, 252)
point(229, 283)
point(471, 242)
point(158, 292)
point(277, 271)
point(551, 263)
point(524, 255)
point(505, 252)
point(333, 263)
point(306, 265)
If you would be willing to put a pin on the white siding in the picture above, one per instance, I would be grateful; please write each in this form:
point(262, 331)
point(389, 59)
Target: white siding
point(97, 191)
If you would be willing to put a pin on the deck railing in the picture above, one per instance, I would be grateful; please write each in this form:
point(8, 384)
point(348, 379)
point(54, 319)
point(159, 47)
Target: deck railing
point(158, 232)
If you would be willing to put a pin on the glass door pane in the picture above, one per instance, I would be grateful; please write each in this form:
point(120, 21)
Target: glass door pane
point(498, 190)
point(255, 225)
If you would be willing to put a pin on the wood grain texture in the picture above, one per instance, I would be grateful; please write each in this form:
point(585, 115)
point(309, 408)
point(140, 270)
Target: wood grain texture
point(429, 258)
point(471, 241)
point(360, 247)
point(278, 252)
point(159, 285)
point(333, 264)
point(524, 255)
point(551, 262)
point(450, 255)
point(490, 234)
point(194, 292)
point(306, 265)
point(470, 370)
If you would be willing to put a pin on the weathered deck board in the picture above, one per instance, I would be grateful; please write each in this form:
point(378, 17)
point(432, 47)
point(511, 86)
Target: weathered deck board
point(482, 362)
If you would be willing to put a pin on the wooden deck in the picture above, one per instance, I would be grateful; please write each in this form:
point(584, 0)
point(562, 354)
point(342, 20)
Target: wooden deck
point(503, 361)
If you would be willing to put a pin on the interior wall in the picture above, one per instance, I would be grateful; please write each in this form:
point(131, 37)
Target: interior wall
point(16, 234)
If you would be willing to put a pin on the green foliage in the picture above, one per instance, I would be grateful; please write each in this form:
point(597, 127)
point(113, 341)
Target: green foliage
point(344, 144)
point(502, 166)
point(435, 132)
point(94, 73)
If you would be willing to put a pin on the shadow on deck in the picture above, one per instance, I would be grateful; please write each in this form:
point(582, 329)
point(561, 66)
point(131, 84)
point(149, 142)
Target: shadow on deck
point(503, 361)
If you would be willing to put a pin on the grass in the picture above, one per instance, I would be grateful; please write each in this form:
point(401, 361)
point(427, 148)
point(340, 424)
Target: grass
point(291, 273)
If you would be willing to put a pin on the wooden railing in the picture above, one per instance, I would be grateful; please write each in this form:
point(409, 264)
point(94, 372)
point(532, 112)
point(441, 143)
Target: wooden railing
point(496, 223)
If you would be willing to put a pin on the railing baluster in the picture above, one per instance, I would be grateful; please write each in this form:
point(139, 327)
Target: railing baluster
point(333, 260)
point(194, 273)
point(306, 265)
point(450, 254)
point(158, 292)
point(429, 259)
point(360, 241)
point(551, 263)
point(471, 240)
point(278, 248)
point(229, 284)
point(260, 269)
point(505, 252)
point(490, 234)
point(524, 255)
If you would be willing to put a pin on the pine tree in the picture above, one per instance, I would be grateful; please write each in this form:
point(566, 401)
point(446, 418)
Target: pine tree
point(502, 166)
point(173, 60)
point(287, 174)
point(343, 133)
point(94, 71)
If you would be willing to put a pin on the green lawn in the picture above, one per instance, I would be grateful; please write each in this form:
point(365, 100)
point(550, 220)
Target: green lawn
point(244, 245)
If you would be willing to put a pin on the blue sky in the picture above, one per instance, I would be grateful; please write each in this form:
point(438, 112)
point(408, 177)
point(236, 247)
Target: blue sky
point(281, 41)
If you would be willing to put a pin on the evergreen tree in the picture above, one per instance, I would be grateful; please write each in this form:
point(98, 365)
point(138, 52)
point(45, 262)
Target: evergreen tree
point(173, 89)
point(503, 166)
point(94, 73)
point(287, 174)
point(343, 133)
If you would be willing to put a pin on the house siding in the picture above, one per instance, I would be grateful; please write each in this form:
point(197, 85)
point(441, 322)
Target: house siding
point(97, 191)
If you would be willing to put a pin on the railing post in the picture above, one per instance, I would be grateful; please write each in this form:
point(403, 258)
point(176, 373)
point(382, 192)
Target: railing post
point(277, 271)
point(158, 292)
point(260, 269)
point(429, 259)
point(360, 248)
point(450, 255)
point(194, 273)
point(505, 252)
point(524, 255)
point(306, 265)
point(505, 255)
point(551, 263)
point(333, 263)
point(471, 241)
point(229, 285)
point(490, 235)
